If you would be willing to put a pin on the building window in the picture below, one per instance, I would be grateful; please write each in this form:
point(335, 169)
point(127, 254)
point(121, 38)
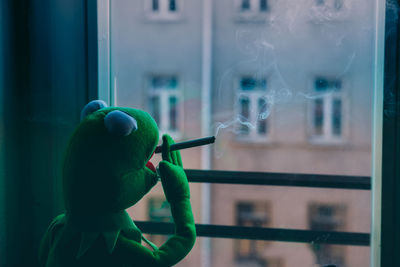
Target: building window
point(163, 9)
point(164, 104)
point(327, 217)
point(253, 6)
point(253, 214)
point(327, 111)
point(155, 5)
point(253, 109)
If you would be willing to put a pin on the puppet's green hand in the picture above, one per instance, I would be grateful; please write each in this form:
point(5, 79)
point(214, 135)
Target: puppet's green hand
point(173, 177)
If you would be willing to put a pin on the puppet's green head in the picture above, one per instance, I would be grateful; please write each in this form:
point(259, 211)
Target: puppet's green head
point(106, 167)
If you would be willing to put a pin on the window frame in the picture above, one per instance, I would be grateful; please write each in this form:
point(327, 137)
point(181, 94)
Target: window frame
point(329, 139)
point(385, 235)
point(253, 136)
point(164, 96)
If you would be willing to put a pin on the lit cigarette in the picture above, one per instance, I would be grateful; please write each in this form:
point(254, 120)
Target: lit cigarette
point(189, 144)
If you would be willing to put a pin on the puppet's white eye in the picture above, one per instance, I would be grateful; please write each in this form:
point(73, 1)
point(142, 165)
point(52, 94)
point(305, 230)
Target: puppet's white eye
point(91, 107)
point(120, 123)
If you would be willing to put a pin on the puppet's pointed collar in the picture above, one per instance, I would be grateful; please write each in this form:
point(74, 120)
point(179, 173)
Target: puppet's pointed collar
point(108, 225)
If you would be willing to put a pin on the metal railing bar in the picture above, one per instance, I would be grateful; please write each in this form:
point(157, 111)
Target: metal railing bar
point(280, 179)
point(267, 234)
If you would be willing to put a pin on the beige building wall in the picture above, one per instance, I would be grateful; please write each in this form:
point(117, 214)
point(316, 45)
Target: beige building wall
point(289, 46)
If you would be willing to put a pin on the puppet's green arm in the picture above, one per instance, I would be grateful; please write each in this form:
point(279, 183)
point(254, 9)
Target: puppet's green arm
point(180, 244)
point(174, 250)
point(176, 189)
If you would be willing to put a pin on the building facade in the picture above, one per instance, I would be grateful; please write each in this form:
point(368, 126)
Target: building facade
point(291, 92)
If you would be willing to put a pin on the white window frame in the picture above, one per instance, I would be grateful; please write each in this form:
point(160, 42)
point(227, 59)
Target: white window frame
point(163, 12)
point(164, 95)
point(327, 137)
point(253, 136)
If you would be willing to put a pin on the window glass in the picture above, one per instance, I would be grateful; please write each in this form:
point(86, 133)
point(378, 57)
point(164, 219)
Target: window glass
point(337, 117)
point(155, 5)
point(172, 5)
point(162, 10)
point(253, 108)
point(291, 92)
point(338, 4)
point(159, 210)
point(318, 116)
point(164, 83)
point(244, 113)
point(173, 113)
point(164, 103)
point(155, 108)
point(328, 115)
point(245, 5)
point(263, 5)
point(262, 120)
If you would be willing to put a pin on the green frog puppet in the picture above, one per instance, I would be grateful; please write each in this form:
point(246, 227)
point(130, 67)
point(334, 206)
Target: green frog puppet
point(107, 169)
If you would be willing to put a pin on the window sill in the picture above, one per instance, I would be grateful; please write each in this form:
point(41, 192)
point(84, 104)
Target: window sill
point(316, 141)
